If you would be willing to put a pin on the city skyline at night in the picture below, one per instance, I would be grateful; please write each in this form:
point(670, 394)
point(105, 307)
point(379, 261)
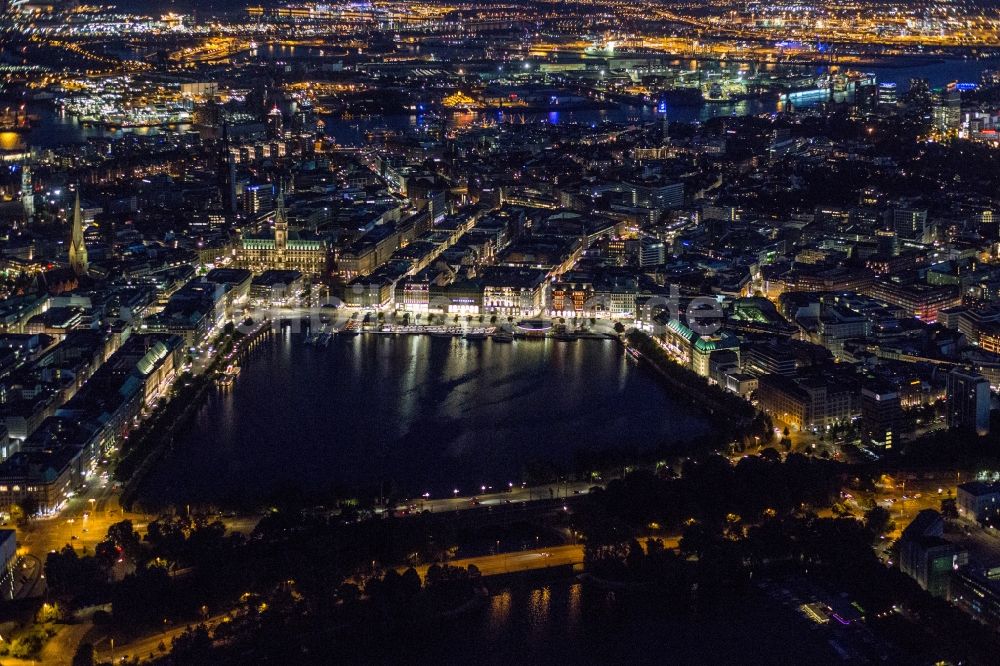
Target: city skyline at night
point(508, 332)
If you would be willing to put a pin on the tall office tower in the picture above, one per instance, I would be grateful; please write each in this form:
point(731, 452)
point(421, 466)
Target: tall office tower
point(652, 252)
point(947, 110)
point(909, 223)
point(886, 96)
point(968, 399)
point(258, 199)
point(888, 242)
point(27, 193)
point(919, 101)
point(953, 108)
point(986, 224)
point(865, 97)
point(275, 123)
point(881, 416)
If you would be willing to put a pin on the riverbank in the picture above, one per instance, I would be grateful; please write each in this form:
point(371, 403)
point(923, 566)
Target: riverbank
point(190, 392)
point(477, 333)
point(732, 417)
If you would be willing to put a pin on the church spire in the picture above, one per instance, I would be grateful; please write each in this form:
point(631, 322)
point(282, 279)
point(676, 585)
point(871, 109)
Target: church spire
point(77, 248)
point(227, 174)
point(280, 220)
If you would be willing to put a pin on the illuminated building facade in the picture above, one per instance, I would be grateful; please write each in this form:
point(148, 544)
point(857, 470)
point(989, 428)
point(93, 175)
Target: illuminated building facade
point(283, 251)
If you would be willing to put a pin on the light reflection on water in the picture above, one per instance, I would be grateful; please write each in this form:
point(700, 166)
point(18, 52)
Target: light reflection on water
point(539, 609)
point(533, 608)
point(568, 622)
point(429, 414)
point(574, 604)
point(499, 613)
point(562, 618)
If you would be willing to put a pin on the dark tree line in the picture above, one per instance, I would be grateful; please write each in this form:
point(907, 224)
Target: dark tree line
point(710, 490)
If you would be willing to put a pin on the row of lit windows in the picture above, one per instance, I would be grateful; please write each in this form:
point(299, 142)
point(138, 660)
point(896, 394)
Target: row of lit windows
point(17, 489)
